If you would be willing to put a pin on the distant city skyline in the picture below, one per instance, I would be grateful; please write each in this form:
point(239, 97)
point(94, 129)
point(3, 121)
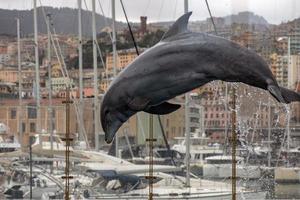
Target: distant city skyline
point(274, 11)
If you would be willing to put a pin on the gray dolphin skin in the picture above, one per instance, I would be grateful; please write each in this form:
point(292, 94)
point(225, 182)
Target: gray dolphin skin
point(180, 62)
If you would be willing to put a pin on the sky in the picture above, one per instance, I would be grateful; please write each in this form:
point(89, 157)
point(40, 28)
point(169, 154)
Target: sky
point(274, 11)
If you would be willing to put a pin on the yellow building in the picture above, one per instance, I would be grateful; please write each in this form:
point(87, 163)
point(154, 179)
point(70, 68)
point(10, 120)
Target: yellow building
point(11, 74)
point(56, 71)
point(124, 58)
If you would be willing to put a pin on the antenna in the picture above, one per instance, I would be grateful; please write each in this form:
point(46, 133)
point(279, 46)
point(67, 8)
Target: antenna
point(37, 69)
point(233, 139)
point(50, 108)
point(81, 132)
point(67, 140)
point(114, 46)
point(187, 125)
point(20, 84)
point(96, 104)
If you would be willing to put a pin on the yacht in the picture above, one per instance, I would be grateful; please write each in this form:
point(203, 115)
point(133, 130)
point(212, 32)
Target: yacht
point(7, 143)
point(221, 167)
point(200, 148)
point(98, 175)
point(117, 178)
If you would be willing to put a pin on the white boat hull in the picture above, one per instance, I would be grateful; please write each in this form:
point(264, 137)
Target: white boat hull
point(287, 175)
point(225, 171)
point(202, 196)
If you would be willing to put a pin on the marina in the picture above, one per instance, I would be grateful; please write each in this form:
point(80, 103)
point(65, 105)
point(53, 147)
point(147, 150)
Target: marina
point(95, 104)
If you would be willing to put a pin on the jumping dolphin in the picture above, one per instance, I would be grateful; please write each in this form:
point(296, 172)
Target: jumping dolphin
point(180, 62)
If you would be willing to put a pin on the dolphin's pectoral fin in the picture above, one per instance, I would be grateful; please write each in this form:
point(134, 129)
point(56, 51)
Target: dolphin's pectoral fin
point(276, 93)
point(162, 109)
point(138, 103)
point(289, 95)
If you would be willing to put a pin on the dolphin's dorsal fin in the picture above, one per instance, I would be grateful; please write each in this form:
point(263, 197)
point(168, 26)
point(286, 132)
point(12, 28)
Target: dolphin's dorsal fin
point(180, 26)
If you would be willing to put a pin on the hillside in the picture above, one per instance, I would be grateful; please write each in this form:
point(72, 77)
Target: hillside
point(245, 18)
point(64, 20)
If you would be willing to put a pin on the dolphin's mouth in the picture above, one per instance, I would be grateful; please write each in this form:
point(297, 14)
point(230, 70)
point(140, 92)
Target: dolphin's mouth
point(111, 130)
point(108, 140)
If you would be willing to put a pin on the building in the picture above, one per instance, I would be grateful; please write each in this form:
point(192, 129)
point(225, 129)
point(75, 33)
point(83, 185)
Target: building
point(143, 28)
point(124, 58)
point(251, 112)
point(246, 39)
point(285, 71)
point(9, 115)
point(173, 125)
point(294, 35)
point(60, 83)
point(279, 68)
point(295, 107)
point(7, 88)
point(10, 74)
point(294, 71)
point(3, 49)
point(4, 58)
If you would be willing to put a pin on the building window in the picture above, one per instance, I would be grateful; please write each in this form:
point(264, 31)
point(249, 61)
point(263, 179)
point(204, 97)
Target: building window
point(53, 126)
point(23, 127)
point(173, 130)
point(193, 129)
point(31, 112)
point(194, 110)
point(13, 113)
point(32, 127)
point(194, 119)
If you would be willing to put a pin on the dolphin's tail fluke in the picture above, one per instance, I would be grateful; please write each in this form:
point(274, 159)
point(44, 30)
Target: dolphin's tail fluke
point(289, 95)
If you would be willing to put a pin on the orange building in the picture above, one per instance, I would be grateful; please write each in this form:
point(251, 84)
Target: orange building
point(3, 49)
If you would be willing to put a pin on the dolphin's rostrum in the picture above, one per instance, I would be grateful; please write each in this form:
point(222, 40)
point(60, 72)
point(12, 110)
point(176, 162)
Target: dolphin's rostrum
point(180, 62)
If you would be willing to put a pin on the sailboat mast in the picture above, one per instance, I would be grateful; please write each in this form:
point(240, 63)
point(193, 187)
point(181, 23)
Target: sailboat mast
point(50, 114)
point(96, 104)
point(37, 70)
point(187, 125)
point(80, 69)
point(226, 118)
point(233, 143)
point(288, 106)
point(20, 84)
point(114, 43)
point(269, 133)
point(186, 6)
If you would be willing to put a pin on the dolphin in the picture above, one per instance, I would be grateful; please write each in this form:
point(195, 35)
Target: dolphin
point(181, 61)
